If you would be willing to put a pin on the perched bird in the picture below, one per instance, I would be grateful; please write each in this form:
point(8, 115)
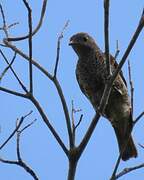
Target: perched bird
point(91, 75)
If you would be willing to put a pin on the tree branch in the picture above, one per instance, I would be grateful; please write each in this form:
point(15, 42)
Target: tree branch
point(37, 27)
point(131, 86)
point(127, 170)
point(14, 73)
point(106, 32)
point(20, 162)
point(4, 28)
point(13, 92)
point(58, 48)
point(15, 130)
point(6, 69)
point(117, 50)
point(47, 122)
point(88, 134)
point(123, 60)
point(30, 45)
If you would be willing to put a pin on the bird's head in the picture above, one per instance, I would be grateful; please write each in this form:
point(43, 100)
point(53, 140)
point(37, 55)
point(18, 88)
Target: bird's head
point(82, 43)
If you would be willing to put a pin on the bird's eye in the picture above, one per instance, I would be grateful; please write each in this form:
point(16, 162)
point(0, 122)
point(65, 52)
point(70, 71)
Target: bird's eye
point(85, 39)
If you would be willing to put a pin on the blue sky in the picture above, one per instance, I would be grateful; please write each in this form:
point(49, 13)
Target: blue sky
point(39, 148)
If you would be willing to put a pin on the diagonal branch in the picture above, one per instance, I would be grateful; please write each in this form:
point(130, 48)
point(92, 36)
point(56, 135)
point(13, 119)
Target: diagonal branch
point(14, 73)
point(6, 69)
point(26, 57)
point(13, 92)
point(12, 134)
point(47, 122)
point(127, 170)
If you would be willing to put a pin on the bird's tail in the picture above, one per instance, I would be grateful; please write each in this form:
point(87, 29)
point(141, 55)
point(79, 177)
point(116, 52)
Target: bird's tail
point(125, 141)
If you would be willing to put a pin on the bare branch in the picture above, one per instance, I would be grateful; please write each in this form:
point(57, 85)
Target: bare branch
point(4, 28)
point(14, 73)
point(8, 161)
point(19, 162)
point(6, 69)
point(131, 86)
point(47, 122)
point(76, 126)
point(88, 134)
point(130, 46)
point(15, 130)
point(13, 92)
point(65, 109)
point(142, 146)
point(30, 45)
point(37, 27)
point(13, 24)
point(108, 86)
point(13, 133)
point(26, 57)
point(55, 81)
point(27, 126)
point(106, 35)
point(58, 48)
point(127, 170)
point(117, 50)
point(138, 118)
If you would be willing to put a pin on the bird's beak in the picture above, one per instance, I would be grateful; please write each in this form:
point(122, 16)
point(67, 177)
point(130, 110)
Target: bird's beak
point(71, 42)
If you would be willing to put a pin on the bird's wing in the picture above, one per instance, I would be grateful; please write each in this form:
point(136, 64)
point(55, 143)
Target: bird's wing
point(115, 65)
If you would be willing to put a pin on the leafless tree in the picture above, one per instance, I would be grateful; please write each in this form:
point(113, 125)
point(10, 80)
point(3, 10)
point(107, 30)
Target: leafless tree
point(72, 152)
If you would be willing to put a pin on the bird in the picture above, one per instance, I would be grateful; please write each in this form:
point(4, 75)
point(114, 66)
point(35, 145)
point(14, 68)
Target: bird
point(91, 74)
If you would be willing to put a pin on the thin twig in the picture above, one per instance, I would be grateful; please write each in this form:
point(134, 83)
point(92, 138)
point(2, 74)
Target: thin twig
point(15, 130)
point(27, 126)
point(138, 118)
point(73, 122)
point(20, 162)
point(13, 92)
point(142, 146)
point(127, 170)
point(131, 86)
point(58, 48)
point(106, 35)
point(4, 28)
point(13, 24)
point(14, 73)
point(30, 45)
point(74, 127)
point(26, 57)
point(80, 120)
point(6, 69)
point(37, 27)
point(12, 134)
point(117, 50)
